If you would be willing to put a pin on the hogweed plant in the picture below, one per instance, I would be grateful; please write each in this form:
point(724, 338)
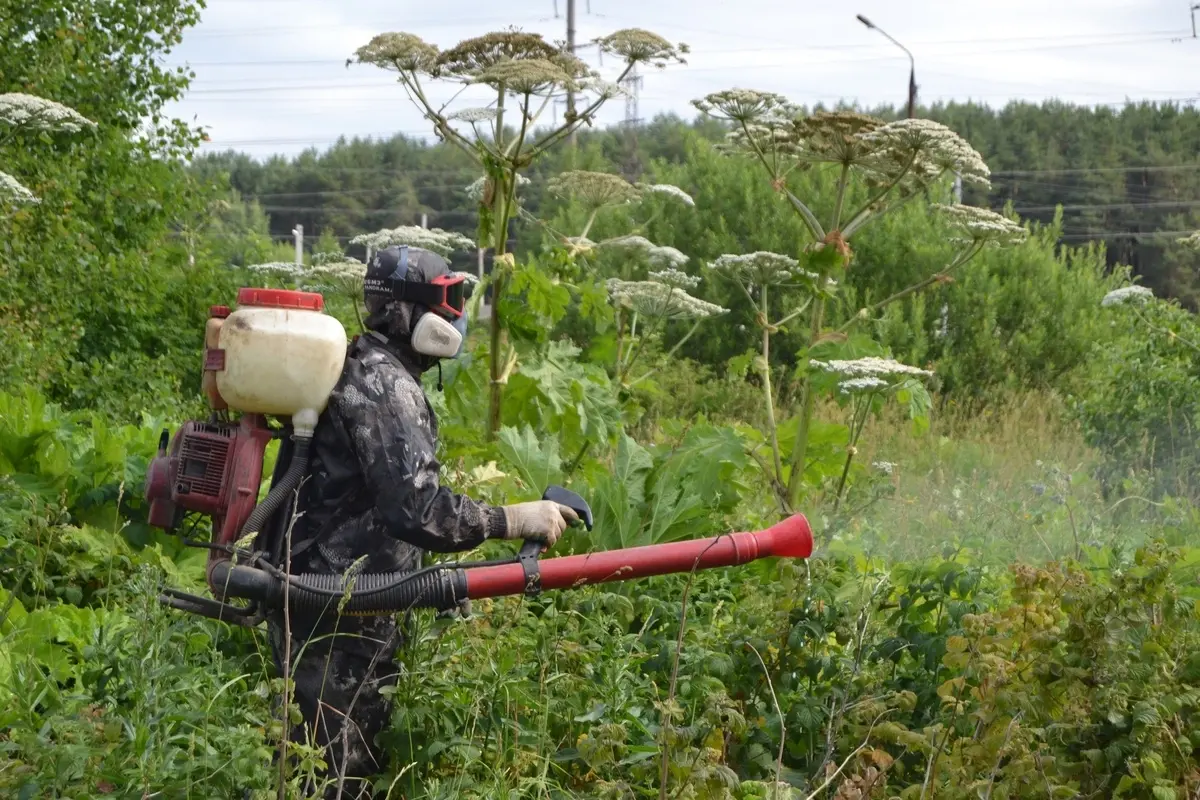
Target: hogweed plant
point(520, 74)
point(595, 192)
point(879, 166)
point(444, 243)
point(762, 276)
point(1134, 298)
point(864, 384)
point(598, 191)
point(654, 303)
point(20, 113)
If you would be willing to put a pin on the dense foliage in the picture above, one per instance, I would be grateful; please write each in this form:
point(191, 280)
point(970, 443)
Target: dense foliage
point(990, 431)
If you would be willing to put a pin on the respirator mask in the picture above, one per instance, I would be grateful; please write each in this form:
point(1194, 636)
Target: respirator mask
point(439, 331)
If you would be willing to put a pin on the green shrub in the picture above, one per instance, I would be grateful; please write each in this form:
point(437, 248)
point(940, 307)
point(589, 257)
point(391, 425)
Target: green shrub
point(1141, 406)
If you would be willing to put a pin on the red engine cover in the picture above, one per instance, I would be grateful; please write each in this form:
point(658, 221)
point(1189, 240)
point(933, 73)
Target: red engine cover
point(212, 468)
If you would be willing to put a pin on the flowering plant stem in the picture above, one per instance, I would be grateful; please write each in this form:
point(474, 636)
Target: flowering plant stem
point(669, 355)
point(807, 403)
point(858, 420)
point(1170, 334)
point(502, 163)
point(763, 310)
point(938, 277)
point(766, 378)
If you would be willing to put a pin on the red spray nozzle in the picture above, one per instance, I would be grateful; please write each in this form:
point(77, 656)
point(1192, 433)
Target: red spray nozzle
point(791, 538)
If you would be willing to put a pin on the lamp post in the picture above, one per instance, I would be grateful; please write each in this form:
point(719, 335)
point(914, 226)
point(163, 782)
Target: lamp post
point(912, 73)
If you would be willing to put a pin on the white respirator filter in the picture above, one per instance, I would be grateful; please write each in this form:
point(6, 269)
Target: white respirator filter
point(436, 336)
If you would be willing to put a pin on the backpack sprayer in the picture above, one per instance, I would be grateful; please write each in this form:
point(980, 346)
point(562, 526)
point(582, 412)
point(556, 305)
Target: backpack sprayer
point(279, 355)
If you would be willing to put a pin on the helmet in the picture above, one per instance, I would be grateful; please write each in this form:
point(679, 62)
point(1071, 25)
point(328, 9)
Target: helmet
point(411, 294)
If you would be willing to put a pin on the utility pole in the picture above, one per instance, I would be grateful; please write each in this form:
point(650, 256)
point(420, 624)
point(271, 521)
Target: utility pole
point(424, 220)
point(298, 232)
point(571, 50)
point(912, 73)
point(1194, 9)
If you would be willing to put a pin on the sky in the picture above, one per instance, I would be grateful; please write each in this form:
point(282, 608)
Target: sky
point(271, 75)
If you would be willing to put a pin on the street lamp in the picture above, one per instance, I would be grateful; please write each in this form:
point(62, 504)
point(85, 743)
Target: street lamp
point(912, 73)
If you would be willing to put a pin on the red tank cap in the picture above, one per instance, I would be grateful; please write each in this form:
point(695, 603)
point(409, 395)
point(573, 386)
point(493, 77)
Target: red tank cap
point(220, 312)
point(280, 298)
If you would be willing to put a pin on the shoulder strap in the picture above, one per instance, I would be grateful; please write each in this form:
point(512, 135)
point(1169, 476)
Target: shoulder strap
point(351, 497)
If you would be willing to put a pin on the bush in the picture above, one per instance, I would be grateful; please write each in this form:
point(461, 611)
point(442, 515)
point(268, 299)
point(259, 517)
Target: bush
point(1141, 406)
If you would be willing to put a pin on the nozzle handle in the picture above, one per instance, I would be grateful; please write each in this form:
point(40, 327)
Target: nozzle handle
point(565, 497)
point(530, 550)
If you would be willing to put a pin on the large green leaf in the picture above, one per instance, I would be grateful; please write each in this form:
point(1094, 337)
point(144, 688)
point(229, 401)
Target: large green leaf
point(535, 458)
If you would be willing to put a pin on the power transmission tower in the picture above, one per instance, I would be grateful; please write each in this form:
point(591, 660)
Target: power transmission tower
point(633, 87)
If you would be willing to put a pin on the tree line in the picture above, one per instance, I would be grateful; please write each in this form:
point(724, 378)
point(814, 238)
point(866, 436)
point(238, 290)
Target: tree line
point(1128, 177)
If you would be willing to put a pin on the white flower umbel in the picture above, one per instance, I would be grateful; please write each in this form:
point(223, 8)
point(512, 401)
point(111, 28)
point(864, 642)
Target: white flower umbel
point(869, 367)
point(638, 46)
point(675, 277)
point(37, 113)
point(1192, 241)
point(670, 191)
point(761, 268)
point(859, 385)
point(285, 269)
point(666, 257)
point(472, 115)
point(593, 189)
point(436, 240)
point(983, 226)
point(654, 303)
point(1131, 295)
point(594, 84)
point(632, 241)
point(934, 144)
point(660, 257)
point(740, 105)
point(886, 467)
point(864, 380)
point(403, 52)
point(14, 192)
point(348, 269)
point(528, 76)
point(660, 301)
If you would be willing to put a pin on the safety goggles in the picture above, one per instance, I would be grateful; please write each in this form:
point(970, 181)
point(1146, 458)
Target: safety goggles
point(445, 294)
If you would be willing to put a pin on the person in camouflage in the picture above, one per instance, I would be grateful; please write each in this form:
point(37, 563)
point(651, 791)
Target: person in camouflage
point(372, 494)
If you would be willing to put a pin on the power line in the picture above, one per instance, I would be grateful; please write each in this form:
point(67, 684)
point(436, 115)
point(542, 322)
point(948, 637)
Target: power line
point(1122, 234)
point(1078, 170)
point(1140, 38)
point(1110, 206)
point(435, 22)
point(791, 48)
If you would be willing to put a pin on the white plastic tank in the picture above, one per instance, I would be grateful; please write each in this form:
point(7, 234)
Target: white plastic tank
point(282, 355)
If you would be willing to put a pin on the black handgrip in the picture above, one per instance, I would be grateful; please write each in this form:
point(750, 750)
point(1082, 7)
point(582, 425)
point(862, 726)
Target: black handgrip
point(530, 550)
point(565, 497)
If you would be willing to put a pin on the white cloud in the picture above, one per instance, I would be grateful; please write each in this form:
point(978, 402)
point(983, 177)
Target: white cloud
point(299, 91)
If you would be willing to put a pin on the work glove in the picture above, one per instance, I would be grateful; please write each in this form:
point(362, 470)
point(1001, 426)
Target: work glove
point(538, 521)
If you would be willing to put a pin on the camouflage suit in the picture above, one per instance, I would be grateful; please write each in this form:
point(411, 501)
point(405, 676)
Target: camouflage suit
point(372, 491)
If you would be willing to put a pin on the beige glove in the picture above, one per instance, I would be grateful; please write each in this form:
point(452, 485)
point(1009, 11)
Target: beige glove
point(538, 521)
